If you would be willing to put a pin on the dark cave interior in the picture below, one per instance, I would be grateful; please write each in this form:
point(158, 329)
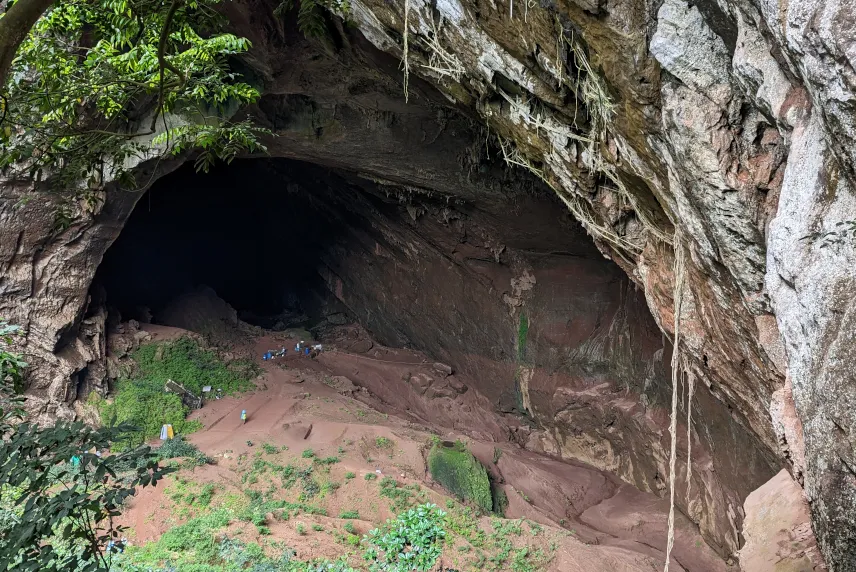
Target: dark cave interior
point(252, 231)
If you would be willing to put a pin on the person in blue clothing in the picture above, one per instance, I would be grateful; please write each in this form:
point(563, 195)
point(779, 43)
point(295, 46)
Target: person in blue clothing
point(244, 416)
point(267, 356)
point(306, 351)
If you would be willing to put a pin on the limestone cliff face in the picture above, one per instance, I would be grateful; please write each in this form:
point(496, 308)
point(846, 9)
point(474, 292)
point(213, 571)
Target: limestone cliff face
point(721, 127)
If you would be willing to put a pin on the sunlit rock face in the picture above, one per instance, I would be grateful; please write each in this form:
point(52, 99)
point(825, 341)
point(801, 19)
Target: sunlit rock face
point(724, 127)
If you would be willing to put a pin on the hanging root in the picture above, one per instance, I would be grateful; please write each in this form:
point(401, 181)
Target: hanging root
point(442, 62)
point(540, 121)
point(691, 382)
point(405, 64)
point(513, 156)
point(591, 89)
point(610, 173)
point(676, 370)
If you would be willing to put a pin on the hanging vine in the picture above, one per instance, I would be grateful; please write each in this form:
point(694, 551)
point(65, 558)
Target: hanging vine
point(679, 271)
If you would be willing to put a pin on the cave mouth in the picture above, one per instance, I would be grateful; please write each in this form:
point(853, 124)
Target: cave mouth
point(516, 314)
point(489, 280)
point(254, 232)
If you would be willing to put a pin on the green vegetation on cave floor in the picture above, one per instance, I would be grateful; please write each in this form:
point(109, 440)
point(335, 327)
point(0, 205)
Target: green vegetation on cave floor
point(260, 496)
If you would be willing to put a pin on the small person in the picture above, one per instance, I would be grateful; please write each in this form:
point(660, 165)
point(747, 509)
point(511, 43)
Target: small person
point(306, 351)
point(266, 356)
point(297, 347)
point(244, 416)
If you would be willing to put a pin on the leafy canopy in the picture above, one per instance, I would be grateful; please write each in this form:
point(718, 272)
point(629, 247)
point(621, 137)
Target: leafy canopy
point(93, 78)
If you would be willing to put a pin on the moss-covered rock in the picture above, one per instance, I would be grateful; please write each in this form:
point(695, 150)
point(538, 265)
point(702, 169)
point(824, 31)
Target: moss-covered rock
point(454, 467)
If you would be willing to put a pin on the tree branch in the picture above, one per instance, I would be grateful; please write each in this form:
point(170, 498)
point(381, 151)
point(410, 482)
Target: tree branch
point(14, 27)
point(163, 63)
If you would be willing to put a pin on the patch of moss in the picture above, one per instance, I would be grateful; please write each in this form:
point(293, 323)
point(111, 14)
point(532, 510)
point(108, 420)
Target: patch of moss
point(522, 337)
point(454, 467)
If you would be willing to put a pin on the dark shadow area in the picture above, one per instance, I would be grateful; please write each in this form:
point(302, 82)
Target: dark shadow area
point(251, 234)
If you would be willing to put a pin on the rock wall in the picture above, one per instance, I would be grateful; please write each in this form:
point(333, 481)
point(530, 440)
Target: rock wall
point(722, 127)
point(550, 332)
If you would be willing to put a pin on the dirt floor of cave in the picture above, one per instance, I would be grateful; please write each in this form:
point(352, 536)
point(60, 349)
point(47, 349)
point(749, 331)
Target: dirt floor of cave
point(589, 520)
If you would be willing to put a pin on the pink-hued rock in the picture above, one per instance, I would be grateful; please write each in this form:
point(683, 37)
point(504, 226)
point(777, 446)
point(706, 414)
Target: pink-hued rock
point(777, 530)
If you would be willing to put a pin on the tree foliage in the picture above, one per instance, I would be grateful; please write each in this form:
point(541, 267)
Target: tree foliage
point(11, 364)
point(58, 498)
point(93, 78)
point(310, 14)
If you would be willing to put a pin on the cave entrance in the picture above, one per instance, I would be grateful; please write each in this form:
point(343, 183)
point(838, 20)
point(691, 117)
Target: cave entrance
point(523, 330)
point(501, 283)
point(254, 232)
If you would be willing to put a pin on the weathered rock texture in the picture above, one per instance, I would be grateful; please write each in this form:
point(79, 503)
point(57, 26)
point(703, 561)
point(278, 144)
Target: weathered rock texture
point(777, 530)
point(722, 127)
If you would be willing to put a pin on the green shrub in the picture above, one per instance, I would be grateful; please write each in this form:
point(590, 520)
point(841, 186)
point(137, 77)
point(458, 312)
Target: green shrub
point(206, 494)
point(177, 447)
point(349, 475)
point(500, 501)
point(317, 527)
point(310, 488)
point(307, 453)
point(402, 497)
point(349, 514)
point(459, 472)
point(410, 542)
point(370, 476)
point(349, 526)
point(300, 528)
point(185, 362)
point(144, 404)
point(270, 449)
point(384, 443)
point(522, 336)
point(196, 535)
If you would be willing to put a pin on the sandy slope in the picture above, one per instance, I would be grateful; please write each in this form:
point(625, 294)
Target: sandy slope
point(592, 521)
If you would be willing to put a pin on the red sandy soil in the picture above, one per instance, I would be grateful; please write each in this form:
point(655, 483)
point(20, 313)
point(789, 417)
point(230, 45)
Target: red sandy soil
point(592, 521)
